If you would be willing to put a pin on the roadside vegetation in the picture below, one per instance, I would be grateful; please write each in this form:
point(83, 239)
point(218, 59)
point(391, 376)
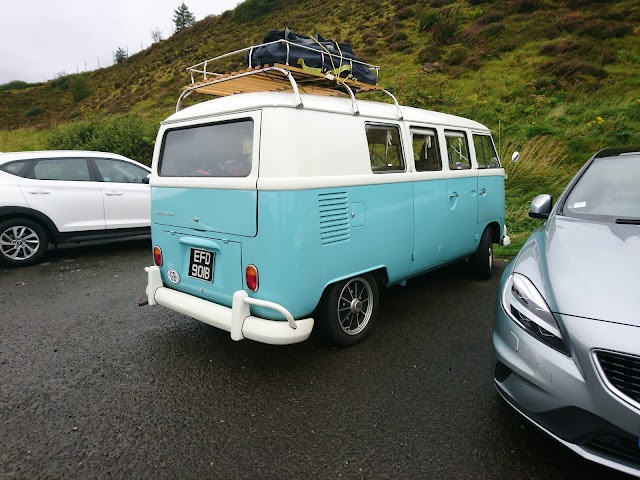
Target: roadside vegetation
point(554, 79)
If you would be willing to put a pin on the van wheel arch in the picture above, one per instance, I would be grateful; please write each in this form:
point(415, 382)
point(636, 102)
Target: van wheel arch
point(494, 228)
point(481, 261)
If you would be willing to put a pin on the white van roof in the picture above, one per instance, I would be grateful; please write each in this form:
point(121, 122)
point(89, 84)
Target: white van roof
point(257, 100)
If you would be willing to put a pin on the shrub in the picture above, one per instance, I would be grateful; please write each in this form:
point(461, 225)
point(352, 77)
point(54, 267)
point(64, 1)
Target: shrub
point(16, 85)
point(251, 9)
point(130, 135)
point(428, 19)
point(557, 48)
point(430, 53)
point(444, 33)
point(457, 55)
point(491, 17)
point(400, 46)
point(608, 55)
point(571, 69)
point(79, 88)
point(527, 6)
point(398, 37)
point(485, 31)
point(34, 111)
point(404, 13)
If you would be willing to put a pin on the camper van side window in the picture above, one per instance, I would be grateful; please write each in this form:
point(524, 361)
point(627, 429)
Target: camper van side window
point(385, 150)
point(457, 150)
point(213, 150)
point(425, 151)
point(485, 152)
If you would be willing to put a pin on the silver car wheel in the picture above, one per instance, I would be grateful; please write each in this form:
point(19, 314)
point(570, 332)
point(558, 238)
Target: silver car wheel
point(355, 306)
point(19, 243)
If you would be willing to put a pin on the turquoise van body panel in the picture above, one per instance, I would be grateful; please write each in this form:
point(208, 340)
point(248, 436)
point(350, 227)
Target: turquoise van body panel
point(306, 240)
point(309, 239)
point(176, 244)
point(462, 224)
point(212, 208)
point(431, 218)
point(490, 197)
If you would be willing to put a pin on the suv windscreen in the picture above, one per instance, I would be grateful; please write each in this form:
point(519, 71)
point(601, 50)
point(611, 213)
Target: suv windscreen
point(607, 190)
point(213, 150)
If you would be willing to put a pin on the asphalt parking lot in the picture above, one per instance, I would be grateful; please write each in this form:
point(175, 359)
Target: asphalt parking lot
point(93, 386)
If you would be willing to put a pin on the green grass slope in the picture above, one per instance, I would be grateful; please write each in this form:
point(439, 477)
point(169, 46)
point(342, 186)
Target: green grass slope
point(554, 79)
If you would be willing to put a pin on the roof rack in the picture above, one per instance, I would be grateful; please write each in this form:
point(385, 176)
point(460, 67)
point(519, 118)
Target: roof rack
point(278, 77)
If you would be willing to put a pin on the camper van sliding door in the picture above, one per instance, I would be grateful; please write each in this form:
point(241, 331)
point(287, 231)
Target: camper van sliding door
point(462, 186)
point(429, 200)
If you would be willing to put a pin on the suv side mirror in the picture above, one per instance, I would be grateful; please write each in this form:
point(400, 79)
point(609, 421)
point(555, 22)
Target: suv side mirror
point(541, 206)
point(146, 180)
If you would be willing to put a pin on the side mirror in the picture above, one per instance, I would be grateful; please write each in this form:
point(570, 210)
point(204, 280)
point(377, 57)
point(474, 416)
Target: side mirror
point(146, 180)
point(541, 206)
point(514, 158)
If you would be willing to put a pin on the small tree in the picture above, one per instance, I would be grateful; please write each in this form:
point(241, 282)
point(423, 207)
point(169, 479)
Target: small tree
point(156, 35)
point(120, 55)
point(183, 18)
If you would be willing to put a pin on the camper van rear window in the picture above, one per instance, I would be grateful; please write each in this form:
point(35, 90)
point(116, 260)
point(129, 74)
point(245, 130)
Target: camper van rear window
point(212, 150)
point(385, 150)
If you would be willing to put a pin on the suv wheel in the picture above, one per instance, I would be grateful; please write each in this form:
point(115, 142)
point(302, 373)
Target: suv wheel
point(22, 242)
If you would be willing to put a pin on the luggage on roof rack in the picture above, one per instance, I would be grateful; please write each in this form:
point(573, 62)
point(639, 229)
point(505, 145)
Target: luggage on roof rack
point(344, 78)
point(312, 54)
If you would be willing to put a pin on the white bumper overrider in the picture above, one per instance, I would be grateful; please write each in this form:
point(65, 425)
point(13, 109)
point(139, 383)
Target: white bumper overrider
point(505, 241)
point(237, 319)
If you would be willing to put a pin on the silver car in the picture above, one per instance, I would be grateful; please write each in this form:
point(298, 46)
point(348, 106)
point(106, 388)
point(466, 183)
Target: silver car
point(566, 338)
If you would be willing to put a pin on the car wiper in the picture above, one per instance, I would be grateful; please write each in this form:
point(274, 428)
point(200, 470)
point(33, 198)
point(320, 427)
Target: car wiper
point(628, 221)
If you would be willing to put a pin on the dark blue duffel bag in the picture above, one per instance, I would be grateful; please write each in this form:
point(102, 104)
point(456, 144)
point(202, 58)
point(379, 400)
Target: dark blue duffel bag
point(313, 54)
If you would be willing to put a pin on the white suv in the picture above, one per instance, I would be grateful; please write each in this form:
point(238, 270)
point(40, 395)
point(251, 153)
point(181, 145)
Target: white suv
point(63, 196)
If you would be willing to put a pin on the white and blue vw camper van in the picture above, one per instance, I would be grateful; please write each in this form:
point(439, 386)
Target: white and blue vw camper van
point(274, 213)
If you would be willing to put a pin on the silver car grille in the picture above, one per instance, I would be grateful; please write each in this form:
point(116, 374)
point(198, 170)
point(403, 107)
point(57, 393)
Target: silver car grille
point(621, 372)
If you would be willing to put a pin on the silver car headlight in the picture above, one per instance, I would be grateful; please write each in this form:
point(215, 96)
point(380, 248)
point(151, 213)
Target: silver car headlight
point(524, 304)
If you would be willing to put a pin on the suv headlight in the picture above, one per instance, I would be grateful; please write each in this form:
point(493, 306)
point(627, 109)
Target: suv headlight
point(524, 304)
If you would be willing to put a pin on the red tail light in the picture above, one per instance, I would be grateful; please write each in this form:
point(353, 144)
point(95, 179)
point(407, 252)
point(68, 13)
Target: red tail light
point(157, 256)
point(251, 275)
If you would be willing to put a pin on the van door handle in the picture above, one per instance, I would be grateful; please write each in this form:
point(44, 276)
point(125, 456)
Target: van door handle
point(113, 194)
point(483, 191)
point(39, 192)
point(453, 195)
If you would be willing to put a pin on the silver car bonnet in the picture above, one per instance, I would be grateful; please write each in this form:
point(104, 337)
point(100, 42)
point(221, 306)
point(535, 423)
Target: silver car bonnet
point(585, 268)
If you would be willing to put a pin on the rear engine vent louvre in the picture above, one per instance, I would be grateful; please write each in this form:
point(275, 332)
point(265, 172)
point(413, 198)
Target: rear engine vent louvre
point(622, 372)
point(621, 448)
point(334, 217)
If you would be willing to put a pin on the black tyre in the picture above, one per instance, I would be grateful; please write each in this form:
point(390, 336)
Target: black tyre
point(481, 262)
point(22, 242)
point(349, 309)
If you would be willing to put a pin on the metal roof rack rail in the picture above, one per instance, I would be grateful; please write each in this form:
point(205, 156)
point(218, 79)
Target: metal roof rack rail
point(278, 77)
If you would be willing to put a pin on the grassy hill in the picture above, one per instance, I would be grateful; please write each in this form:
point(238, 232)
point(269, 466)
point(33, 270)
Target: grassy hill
point(554, 79)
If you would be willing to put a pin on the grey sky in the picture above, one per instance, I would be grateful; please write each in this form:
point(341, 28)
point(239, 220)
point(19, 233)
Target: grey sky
point(41, 38)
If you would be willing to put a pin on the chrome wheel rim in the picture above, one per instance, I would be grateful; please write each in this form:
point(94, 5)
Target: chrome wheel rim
point(355, 305)
point(19, 243)
point(490, 258)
